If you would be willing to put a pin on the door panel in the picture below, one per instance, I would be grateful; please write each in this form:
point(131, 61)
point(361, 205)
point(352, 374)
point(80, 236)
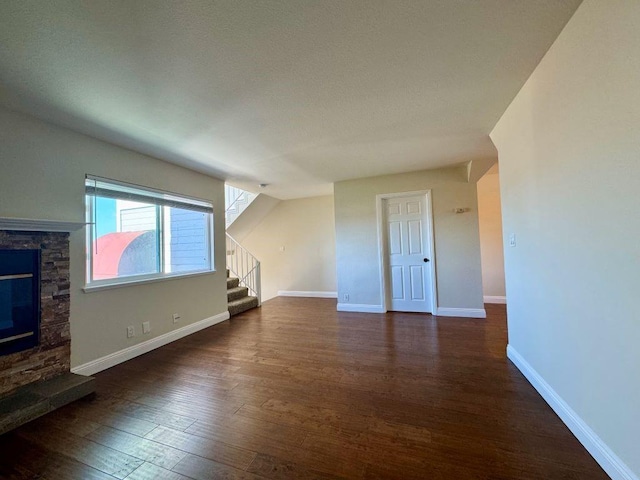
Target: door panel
point(407, 246)
point(415, 237)
point(395, 238)
point(397, 283)
point(417, 283)
point(414, 207)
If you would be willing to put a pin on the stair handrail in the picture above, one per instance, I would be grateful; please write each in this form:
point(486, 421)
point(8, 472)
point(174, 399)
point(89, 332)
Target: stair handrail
point(245, 266)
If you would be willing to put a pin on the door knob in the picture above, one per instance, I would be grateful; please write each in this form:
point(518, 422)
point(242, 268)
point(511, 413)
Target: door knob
point(425, 260)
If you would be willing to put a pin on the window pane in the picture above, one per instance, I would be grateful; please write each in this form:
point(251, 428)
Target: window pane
point(187, 249)
point(141, 232)
point(127, 239)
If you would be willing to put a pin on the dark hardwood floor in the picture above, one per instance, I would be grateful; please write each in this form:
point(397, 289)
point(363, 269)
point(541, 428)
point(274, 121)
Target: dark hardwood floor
point(297, 390)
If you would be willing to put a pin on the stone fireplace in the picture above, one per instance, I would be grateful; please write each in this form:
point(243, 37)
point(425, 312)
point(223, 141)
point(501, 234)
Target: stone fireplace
point(35, 338)
point(51, 355)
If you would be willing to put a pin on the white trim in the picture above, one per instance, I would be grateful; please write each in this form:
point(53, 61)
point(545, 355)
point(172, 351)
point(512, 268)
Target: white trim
point(124, 282)
point(128, 353)
point(361, 308)
point(599, 450)
point(495, 299)
point(432, 253)
point(32, 225)
point(382, 257)
point(382, 249)
point(300, 293)
point(461, 312)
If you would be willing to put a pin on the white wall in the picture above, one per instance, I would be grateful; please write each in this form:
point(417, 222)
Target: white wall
point(490, 223)
point(42, 177)
point(457, 245)
point(570, 177)
point(305, 228)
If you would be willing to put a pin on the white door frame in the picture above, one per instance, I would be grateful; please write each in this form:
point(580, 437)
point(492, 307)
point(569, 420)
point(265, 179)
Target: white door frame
point(382, 245)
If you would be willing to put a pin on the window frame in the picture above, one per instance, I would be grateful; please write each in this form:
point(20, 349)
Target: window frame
point(152, 196)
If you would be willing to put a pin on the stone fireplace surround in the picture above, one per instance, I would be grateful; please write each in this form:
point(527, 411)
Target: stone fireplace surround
point(52, 356)
point(40, 376)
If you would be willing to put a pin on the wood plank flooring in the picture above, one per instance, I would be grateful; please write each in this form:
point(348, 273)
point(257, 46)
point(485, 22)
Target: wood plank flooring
point(297, 390)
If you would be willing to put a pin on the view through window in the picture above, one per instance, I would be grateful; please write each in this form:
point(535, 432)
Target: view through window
point(136, 232)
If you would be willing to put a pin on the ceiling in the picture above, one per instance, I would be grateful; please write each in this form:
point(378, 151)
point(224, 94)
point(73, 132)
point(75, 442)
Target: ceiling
point(297, 94)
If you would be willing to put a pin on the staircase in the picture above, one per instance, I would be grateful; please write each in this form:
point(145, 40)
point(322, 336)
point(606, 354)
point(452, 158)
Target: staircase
point(238, 298)
point(243, 269)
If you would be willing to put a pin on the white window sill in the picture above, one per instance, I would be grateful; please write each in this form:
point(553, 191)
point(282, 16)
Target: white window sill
point(139, 281)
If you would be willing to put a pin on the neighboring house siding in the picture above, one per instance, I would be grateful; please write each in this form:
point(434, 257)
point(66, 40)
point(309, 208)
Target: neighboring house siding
point(137, 219)
point(188, 241)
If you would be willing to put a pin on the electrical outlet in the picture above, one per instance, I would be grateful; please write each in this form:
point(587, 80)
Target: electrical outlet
point(346, 297)
point(146, 327)
point(512, 240)
point(176, 317)
point(131, 331)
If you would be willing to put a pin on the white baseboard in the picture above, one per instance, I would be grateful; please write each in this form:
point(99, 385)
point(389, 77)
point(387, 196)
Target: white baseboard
point(302, 293)
point(461, 312)
point(599, 450)
point(443, 312)
point(494, 299)
point(360, 307)
point(128, 353)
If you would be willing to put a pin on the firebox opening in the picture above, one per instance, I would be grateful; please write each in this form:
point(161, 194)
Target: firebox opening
point(19, 300)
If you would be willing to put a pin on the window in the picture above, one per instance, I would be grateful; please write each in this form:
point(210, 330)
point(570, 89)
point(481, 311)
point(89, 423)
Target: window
point(137, 233)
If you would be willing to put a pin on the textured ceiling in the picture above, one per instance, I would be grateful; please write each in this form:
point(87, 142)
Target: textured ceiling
point(296, 94)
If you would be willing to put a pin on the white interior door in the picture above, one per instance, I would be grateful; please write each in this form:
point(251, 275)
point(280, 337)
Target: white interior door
point(408, 246)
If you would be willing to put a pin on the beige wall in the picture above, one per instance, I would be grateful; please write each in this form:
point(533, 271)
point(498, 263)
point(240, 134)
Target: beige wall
point(570, 176)
point(305, 228)
point(42, 177)
point(490, 223)
point(457, 245)
point(251, 217)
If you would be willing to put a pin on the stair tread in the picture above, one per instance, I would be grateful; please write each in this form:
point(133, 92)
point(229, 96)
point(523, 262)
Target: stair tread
point(236, 289)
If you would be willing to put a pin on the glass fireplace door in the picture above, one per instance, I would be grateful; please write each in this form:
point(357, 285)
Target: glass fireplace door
point(19, 300)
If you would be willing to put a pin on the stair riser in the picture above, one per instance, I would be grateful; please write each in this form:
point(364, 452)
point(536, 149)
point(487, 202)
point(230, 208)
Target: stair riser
point(246, 304)
point(234, 294)
point(238, 297)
